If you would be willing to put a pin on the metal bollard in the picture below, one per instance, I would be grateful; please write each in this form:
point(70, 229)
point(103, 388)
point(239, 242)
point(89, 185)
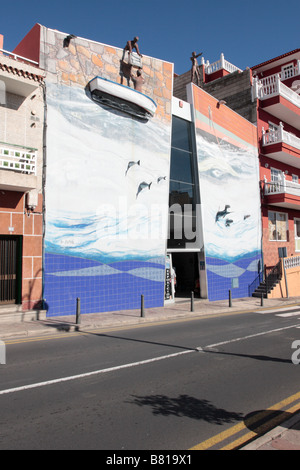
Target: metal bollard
point(230, 299)
point(78, 312)
point(142, 306)
point(262, 299)
point(192, 301)
point(2, 353)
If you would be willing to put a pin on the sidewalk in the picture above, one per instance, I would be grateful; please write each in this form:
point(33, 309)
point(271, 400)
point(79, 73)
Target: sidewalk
point(284, 437)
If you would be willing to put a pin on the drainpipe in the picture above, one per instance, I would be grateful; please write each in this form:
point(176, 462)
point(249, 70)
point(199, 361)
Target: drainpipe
point(44, 175)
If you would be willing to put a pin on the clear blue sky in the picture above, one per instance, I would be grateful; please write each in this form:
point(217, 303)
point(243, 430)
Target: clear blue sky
point(247, 32)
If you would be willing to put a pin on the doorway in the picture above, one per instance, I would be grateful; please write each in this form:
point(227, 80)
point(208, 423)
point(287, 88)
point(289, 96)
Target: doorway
point(10, 269)
point(186, 266)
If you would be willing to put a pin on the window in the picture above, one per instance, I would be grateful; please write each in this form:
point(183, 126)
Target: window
point(181, 134)
point(182, 193)
point(295, 179)
point(276, 175)
point(273, 137)
point(182, 184)
point(287, 71)
point(277, 180)
point(297, 234)
point(277, 226)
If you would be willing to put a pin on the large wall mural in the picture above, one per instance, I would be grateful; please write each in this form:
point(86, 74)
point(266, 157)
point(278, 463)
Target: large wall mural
point(106, 190)
point(229, 187)
point(107, 205)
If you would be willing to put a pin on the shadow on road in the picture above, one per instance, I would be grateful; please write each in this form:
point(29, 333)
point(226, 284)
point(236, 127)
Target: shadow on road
point(186, 406)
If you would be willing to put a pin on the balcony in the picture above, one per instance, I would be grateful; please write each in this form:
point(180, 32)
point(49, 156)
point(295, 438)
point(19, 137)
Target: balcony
point(282, 146)
point(17, 167)
point(282, 194)
point(18, 75)
point(278, 99)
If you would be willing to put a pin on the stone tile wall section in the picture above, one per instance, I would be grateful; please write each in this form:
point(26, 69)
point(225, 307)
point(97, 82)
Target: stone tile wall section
point(83, 60)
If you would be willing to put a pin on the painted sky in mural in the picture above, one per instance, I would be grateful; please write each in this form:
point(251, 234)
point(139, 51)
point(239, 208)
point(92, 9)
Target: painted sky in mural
point(229, 191)
point(229, 178)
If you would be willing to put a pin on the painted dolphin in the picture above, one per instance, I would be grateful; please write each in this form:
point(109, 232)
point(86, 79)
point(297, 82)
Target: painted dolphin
point(161, 178)
point(222, 213)
point(228, 222)
point(130, 164)
point(142, 186)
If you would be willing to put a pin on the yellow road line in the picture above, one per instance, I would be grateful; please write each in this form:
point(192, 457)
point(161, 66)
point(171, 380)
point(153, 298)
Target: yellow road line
point(262, 429)
point(241, 426)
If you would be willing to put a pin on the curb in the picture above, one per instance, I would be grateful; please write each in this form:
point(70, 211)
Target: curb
point(275, 433)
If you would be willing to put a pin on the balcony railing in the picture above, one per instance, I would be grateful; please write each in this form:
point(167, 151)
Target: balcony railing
point(219, 65)
point(20, 159)
point(273, 86)
point(287, 73)
point(282, 187)
point(279, 135)
point(292, 262)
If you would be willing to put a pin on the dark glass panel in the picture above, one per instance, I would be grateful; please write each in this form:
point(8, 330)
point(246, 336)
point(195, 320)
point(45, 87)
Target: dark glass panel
point(183, 195)
point(181, 166)
point(181, 134)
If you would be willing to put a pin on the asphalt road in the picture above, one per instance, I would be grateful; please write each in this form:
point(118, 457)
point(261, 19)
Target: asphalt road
point(175, 386)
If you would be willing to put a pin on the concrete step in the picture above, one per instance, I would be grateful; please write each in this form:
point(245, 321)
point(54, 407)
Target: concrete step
point(259, 294)
point(14, 313)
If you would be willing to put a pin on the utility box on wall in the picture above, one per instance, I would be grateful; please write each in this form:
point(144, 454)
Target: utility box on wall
point(282, 252)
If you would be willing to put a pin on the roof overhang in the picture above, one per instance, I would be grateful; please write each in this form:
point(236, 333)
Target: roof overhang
point(280, 60)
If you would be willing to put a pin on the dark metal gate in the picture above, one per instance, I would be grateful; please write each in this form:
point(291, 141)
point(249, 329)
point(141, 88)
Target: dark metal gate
point(8, 269)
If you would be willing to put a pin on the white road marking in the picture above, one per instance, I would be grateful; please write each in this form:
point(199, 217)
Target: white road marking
point(290, 314)
point(134, 364)
point(89, 374)
point(277, 310)
point(252, 336)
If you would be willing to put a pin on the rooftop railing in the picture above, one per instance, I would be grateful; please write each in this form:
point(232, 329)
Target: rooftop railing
point(17, 57)
point(219, 65)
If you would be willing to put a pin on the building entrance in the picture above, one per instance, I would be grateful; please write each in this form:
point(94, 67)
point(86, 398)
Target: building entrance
point(186, 267)
point(9, 269)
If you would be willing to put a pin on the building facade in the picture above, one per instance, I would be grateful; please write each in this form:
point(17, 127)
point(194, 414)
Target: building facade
point(268, 96)
point(275, 90)
point(21, 175)
point(228, 228)
point(106, 190)
point(141, 206)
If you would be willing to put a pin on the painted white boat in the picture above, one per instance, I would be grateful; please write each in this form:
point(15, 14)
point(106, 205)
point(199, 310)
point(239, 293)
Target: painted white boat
point(122, 97)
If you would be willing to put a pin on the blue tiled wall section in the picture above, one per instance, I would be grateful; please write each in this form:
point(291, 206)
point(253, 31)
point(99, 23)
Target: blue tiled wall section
point(68, 278)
